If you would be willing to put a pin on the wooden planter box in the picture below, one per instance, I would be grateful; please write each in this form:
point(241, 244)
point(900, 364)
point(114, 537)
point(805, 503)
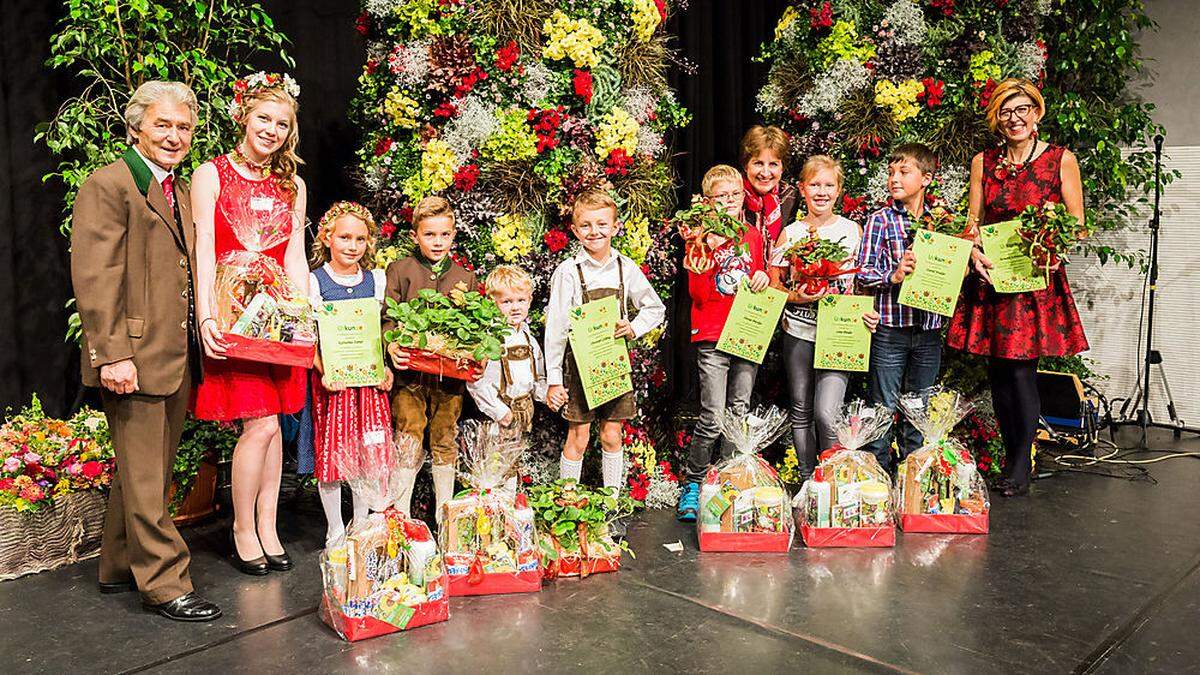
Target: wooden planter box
point(52, 537)
point(199, 503)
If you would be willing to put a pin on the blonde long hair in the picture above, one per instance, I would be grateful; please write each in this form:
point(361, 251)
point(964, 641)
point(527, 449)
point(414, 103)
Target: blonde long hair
point(282, 162)
point(320, 245)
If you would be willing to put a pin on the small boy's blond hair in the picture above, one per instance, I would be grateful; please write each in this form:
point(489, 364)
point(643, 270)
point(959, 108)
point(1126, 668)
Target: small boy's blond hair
point(718, 174)
point(592, 200)
point(509, 278)
point(431, 207)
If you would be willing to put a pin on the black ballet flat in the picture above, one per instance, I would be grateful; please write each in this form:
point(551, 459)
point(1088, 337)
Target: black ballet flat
point(256, 568)
point(279, 563)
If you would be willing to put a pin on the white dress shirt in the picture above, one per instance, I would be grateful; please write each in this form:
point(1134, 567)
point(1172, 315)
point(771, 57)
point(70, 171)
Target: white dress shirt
point(160, 174)
point(566, 293)
point(528, 377)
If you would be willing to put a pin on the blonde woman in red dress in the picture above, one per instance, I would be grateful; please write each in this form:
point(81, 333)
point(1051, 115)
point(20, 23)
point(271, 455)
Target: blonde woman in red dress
point(252, 200)
point(1015, 329)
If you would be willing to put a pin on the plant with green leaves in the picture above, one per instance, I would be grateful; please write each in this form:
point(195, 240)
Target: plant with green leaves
point(201, 440)
point(465, 324)
point(565, 510)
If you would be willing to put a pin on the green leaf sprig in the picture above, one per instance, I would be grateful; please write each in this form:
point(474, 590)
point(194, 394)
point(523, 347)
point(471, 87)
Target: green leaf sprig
point(465, 324)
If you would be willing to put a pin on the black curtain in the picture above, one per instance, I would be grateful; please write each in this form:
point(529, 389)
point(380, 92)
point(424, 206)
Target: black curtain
point(718, 38)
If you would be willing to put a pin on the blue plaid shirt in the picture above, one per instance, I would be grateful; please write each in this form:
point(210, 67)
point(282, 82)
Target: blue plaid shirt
point(887, 235)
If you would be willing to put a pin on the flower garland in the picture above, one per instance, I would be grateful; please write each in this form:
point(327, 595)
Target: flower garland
point(255, 83)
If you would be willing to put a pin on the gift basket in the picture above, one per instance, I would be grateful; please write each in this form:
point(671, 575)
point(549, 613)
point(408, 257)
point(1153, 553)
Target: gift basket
point(743, 506)
point(938, 488)
point(703, 218)
point(487, 535)
point(260, 312)
point(815, 262)
point(572, 523)
point(385, 573)
point(448, 336)
point(847, 500)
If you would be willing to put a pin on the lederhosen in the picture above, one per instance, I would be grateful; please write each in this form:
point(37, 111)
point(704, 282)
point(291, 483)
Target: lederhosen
point(624, 406)
point(521, 406)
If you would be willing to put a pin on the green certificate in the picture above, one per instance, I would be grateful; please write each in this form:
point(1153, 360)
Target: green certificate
point(934, 284)
point(351, 347)
point(751, 323)
point(601, 358)
point(843, 340)
point(1012, 268)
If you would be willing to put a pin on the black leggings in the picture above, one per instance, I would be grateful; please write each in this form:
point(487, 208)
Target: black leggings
point(1015, 398)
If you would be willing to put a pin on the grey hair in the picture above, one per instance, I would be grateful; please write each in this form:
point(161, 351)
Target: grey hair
point(155, 91)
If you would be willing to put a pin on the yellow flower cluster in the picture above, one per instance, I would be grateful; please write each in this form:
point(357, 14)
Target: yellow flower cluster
point(645, 454)
point(402, 108)
point(789, 16)
point(511, 238)
point(571, 38)
point(513, 138)
point(437, 164)
point(789, 469)
point(844, 43)
point(385, 255)
point(645, 19)
point(983, 66)
point(618, 130)
point(635, 239)
point(901, 97)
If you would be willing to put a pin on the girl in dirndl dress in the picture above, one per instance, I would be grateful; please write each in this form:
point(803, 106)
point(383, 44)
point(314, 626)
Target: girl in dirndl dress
point(351, 425)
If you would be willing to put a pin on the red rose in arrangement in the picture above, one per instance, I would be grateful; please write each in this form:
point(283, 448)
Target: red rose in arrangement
point(383, 145)
point(92, 469)
point(556, 240)
point(821, 17)
point(6, 484)
point(363, 24)
point(507, 56)
point(583, 84)
point(466, 177)
point(387, 229)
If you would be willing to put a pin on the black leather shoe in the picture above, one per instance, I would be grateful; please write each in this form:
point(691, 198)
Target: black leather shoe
point(256, 568)
point(279, 563)
point(187, 607)
point(110, 587)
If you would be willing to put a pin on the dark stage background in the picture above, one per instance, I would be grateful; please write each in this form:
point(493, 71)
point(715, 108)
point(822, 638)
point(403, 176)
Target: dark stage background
point(717, 37)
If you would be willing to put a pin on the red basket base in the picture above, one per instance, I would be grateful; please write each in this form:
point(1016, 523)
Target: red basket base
point(822, 537)
point(269, 351)
point(748, 542)
point(944, 523)
point(569, 567)
point(434, 364)
point(355, 629)
point(529, 581)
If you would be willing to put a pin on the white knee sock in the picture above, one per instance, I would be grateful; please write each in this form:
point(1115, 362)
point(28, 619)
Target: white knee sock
point(443, 486)
point(612, 468)
point(405, 480)
point(569, 468)
point(331, 503)
point(361, 508)
point(511, 485)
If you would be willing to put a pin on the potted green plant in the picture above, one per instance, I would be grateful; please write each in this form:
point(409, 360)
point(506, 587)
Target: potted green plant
point(448, 335)
point(194, 477)
point(572, 520)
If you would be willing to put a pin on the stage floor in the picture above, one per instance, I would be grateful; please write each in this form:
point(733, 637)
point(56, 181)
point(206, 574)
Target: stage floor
point(1089, 574)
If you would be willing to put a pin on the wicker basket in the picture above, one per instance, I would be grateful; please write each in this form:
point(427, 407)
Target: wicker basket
point(44, 540)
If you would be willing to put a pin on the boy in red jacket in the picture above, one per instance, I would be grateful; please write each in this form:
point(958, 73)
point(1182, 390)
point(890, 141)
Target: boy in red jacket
point(725, 380)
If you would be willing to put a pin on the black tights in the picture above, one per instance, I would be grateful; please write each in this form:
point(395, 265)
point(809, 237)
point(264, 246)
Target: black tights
point(1015, 398)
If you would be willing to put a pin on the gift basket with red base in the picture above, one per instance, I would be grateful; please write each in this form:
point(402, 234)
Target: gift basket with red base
point(704, 227)
point(448, 336)
point(743, 505)
point(259, 311)
point(487, 533)
point(847, 500)
point(572, 523)
point(815, 261)
point(385, 573)
point(938, 488)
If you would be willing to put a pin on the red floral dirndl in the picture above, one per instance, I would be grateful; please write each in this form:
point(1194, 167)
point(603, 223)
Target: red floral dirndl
point(352, 430)
point(1018, 325)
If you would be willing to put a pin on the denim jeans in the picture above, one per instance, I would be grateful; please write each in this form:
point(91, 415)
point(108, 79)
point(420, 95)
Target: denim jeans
point(816, 398)
point(725, 385)
point(903, 360)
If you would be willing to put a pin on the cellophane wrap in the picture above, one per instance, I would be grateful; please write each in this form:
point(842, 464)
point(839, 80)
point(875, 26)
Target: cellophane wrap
point(487, 533)
point(742, 496)
point(847, 501)
point(252, 294)
point(573, 527)
point(385, 574)
point(941, 477)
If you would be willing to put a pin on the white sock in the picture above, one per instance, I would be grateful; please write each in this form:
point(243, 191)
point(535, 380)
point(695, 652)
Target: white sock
point(361, 508)
point(569, 468)
point(331, 503)
point(405, 480)
point(611, 465)
point(443, 486)
point(511, 485)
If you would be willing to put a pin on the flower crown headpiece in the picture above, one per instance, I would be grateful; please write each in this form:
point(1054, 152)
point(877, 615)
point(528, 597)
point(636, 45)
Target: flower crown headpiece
point(340, 209)
point(260, 81)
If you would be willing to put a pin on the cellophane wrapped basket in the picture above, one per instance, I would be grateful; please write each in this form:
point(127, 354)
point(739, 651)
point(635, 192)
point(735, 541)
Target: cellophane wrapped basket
point(261, 313)
point(487, 534)
point(573, 528)
point(847, 501)
point(743, 504)
point(385, 574)
point(938, 487)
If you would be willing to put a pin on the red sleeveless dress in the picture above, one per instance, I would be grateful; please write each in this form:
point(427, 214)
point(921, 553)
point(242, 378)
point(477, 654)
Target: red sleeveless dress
point(235, 389)
point(1018, 325)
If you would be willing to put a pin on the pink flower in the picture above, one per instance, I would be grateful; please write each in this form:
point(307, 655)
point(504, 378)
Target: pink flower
point(12, 465)
point(32, 458)
point(74, 468)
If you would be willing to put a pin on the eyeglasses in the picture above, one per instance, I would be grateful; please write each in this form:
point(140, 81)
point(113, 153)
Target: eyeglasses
point(1019, 111)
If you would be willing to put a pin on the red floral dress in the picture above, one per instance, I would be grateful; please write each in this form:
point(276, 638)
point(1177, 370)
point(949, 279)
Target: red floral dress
point(235, 389)
point(1018, 325)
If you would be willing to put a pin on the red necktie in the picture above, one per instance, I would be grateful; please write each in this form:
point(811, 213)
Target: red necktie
point(168, 188)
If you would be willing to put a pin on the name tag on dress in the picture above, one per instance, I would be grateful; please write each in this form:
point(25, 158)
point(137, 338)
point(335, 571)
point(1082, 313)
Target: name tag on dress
point(262, 204)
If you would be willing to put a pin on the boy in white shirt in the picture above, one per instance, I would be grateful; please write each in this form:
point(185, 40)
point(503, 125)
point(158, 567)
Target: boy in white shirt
point(594, 272)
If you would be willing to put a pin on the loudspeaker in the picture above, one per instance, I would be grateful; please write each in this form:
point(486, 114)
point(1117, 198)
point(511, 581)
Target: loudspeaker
point(1070, 415)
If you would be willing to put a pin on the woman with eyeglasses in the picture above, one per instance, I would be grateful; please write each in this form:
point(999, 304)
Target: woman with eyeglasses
point(1015, 329)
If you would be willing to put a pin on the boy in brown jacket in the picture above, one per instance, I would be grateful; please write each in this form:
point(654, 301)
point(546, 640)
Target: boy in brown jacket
point(421, 401)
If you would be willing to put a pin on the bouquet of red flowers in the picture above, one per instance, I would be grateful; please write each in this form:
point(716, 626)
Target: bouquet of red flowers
point(1049, 232)
point(703, 218)
point(815, 261)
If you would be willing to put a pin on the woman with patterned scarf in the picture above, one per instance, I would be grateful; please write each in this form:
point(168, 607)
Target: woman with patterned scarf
point(769, 205)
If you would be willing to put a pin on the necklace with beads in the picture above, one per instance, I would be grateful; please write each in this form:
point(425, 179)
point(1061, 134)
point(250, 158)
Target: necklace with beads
point(261, 168)
point(1007, 166)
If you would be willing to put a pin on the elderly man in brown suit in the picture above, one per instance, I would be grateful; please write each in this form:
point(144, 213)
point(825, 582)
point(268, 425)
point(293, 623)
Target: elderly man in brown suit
point(131, 252)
